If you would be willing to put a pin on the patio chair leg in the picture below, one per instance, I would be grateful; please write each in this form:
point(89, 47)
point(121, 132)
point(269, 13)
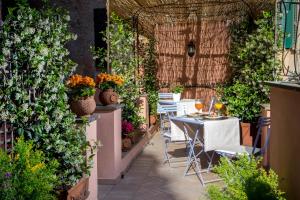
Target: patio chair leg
point(198, 168)
point(210, 161)
point(166, 155)
point(189, 161)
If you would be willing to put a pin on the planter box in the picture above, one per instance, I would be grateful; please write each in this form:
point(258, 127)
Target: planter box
point(80, 191)
point(248, 134)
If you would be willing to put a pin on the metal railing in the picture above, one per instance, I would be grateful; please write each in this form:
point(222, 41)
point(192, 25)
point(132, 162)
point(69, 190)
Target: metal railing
point(6, 136)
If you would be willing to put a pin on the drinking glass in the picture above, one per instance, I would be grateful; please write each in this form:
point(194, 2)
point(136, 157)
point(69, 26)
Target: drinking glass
point(218, 106)
point(199, 105)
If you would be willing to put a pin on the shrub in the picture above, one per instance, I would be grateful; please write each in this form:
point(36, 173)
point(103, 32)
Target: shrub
point(25, 174)
point(245, 181)
point(253, 61)
point(34, 65)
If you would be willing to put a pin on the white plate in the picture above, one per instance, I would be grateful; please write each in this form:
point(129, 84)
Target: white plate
point(214, 117)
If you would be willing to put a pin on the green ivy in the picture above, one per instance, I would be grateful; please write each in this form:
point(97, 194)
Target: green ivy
point(149, 79)
point(245, 180)
point(253, 62)
point(34, 64)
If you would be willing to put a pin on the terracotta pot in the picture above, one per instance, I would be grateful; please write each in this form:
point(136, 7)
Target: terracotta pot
point(126, 144)
point(84, 106)
point(153, 119)
point(79, 191)
point(108, 97)
point(248, 134)
point(135, 138)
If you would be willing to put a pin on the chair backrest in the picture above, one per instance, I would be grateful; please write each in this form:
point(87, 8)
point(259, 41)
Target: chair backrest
point(263, 122)
point(165, 112)
point(163, 109)
point(165, 95)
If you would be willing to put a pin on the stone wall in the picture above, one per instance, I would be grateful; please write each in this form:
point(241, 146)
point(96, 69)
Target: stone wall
point(82, 23)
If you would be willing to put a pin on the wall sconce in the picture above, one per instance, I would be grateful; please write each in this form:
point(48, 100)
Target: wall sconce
point(191, 49)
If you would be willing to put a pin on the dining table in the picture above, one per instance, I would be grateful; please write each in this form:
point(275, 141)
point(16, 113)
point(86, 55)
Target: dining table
point(210, 133)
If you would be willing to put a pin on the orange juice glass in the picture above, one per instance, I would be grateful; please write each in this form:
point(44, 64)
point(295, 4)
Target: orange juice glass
point(199, 105)
point(218, 106)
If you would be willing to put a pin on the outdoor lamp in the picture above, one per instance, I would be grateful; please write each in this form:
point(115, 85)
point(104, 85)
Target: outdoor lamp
point(191, 49)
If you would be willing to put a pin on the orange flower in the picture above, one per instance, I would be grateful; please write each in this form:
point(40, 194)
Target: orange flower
point(103, 77)
point(79, 81)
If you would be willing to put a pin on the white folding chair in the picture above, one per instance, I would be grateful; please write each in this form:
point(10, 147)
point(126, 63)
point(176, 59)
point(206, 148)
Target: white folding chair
point(162, 96)
point(230, 152)
point(166, 112)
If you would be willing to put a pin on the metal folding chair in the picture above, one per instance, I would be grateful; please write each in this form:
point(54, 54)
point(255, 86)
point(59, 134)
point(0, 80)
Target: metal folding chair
point(165, 111)
point(230, 152)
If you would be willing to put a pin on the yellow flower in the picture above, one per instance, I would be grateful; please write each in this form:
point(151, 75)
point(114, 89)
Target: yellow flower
point(37, 167)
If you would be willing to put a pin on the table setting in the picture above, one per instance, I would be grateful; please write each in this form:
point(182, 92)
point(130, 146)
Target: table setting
point(211, 130)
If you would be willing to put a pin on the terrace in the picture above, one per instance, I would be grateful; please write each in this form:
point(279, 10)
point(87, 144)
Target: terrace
point(153, 99)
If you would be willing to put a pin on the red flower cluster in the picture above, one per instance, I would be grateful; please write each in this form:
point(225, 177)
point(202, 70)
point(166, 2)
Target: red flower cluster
point(127, 127)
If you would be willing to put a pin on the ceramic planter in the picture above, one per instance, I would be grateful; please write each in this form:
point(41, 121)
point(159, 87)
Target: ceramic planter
point(176, 97)
point(108, 97)
point(126, 144)
point(153, 119)
point(135, 138)
point(84, 106)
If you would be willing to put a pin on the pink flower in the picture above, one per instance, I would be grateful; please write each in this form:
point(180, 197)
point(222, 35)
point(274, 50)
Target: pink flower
point(127, 127)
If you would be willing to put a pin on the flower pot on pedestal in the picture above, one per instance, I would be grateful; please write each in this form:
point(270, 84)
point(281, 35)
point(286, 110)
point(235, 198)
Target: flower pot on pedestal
point(108, 97)
point(84, 106)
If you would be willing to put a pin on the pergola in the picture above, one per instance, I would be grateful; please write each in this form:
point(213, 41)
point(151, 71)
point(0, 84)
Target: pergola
point(176, 23)
point(148, 13)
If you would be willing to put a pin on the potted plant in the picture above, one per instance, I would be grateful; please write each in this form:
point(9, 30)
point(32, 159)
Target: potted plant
point(177, 90)
point(127, 130)
point(108, 83)
point(81, 92)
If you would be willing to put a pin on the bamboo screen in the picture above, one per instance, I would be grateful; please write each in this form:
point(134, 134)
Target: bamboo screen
point(200, 73)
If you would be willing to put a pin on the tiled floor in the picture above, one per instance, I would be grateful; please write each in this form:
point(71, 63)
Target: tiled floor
point(149, 179)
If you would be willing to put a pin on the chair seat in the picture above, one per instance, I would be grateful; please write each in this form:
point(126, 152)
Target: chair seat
point(167, 134)
point(237, 150)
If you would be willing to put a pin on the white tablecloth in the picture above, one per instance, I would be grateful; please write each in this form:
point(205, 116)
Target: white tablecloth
point(215, 133)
